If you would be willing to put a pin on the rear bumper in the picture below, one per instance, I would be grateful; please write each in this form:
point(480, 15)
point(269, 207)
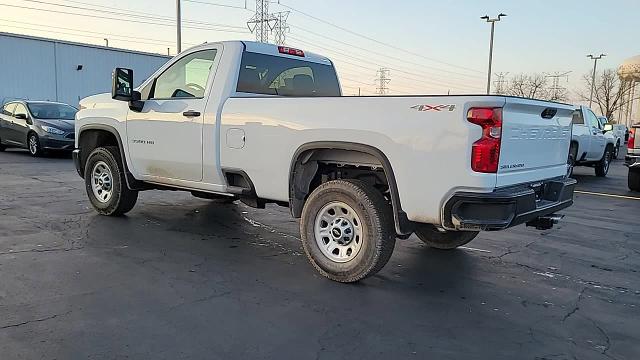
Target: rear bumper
point(76, 162)
point(632, 161)
point(507, 207)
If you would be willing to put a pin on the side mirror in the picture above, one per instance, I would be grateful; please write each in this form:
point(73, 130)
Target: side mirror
point(20, 116)
point(608, 127)
point(122, 84)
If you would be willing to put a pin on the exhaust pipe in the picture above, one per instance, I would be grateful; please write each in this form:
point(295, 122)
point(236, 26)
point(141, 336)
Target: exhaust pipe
point(545, 222)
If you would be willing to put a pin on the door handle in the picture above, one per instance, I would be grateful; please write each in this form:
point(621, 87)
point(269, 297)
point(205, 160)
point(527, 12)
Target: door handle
point(191, 113)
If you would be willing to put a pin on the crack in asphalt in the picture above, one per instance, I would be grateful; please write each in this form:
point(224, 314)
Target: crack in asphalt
point(39, 250)
point(34, 321)
point(576, 306)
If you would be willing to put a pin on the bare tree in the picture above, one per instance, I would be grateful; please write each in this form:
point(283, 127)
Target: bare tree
point(610, 94)
point(533, 86)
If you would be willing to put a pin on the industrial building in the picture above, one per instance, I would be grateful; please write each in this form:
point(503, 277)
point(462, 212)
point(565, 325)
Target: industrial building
point(34, 68)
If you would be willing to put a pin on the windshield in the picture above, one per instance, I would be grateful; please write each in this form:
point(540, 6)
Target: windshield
point(52, 111)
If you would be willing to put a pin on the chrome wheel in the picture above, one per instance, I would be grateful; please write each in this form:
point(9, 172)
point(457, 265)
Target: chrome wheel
point(102, 182)
point(607, 161)
point(338, 232)
point(33, 144)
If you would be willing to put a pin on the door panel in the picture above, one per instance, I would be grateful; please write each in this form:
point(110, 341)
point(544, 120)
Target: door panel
point(596, 149)
point(19, 127)
point(165, 138)
point(5, 121)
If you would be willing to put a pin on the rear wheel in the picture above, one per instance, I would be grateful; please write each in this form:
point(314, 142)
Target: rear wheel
point(33, 144)
point(443, 240)
point(347, 230)
point(616, 151)
point(106, 184)
point(2, 147)
point(633, 179)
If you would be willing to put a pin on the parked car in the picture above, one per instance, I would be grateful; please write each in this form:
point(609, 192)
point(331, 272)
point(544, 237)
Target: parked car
point(591, 144)
point(632, 160)
point(617, 130)
point(38, 126)
point(268, 124)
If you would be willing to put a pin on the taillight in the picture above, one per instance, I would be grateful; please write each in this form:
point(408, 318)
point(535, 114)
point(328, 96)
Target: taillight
point(290, 51)
point(632, 139)
point(485, 153)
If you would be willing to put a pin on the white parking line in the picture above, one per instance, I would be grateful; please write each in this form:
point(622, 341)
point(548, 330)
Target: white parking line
point(607, 195)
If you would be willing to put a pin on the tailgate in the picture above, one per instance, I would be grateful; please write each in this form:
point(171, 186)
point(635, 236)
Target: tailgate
point(535, 141)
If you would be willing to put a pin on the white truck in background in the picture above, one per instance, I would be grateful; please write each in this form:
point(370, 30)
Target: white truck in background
point(592, 143)
point(267, 124)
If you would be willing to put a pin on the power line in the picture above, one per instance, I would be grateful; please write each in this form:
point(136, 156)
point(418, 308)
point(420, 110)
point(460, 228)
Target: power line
point(384, 54)
point(219, 5)
point(500, 83)
point(558, 92)
point(378, 41)
point(119, 19)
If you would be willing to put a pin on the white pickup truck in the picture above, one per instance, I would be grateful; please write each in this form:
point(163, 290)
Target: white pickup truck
point(592, 143)
point(267, 124)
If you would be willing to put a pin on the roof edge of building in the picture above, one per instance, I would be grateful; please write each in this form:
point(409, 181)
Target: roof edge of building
point(66, 42)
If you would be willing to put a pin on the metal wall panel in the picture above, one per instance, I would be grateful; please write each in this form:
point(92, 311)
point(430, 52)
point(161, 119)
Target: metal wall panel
point(43, 69)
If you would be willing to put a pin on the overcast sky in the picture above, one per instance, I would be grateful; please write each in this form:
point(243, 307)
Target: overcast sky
point(435, 46)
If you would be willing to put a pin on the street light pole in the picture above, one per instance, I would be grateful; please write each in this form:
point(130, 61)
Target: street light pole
point(593, 77)
point(106, 42)
point(179, 27)
point(493, 26)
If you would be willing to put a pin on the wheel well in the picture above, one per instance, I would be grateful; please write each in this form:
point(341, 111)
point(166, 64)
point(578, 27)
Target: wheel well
point(92, 139)
point(313, 166)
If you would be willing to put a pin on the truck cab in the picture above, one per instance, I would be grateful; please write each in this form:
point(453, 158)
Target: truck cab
point(592, 143)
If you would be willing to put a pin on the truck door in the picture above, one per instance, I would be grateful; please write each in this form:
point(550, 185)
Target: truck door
point(596, 149)
point(165, 138)
point(581, 132)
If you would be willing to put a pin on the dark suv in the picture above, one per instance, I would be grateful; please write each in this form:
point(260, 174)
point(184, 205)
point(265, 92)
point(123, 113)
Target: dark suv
point(37, 126)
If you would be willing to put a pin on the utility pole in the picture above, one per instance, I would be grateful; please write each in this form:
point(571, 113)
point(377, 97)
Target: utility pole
point(281, 28)
point(179, 27)
point(383, 81)
point(260, 23)
point(558, 92)
point(493, 22)
point(500, 83)
point(593, 77)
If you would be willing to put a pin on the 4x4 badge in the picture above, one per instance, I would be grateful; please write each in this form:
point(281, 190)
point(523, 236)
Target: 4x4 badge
point(442, 107)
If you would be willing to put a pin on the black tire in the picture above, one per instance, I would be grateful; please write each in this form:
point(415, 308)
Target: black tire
point(616, 152)
point(571, 162)
point(122, 199)
point(36, 149)
point(2, 147)
point(443, 240)
point(376, 226)
point(633, 180)
point(602, 166)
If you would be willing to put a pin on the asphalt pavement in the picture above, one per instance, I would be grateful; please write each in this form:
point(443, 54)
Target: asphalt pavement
point(184, 278)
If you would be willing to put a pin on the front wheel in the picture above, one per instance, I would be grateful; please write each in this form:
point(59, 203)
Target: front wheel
point(616, 152)
point(633, 179)
point(443, 240)
point(347, 230)
point(33, 143)
point(602, 167)
point(105, 183)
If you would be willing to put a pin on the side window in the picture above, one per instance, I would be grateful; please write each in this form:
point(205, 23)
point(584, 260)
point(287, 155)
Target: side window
point(20, 109)
point(187, 78)
point(8, 109)
point(593, 120)
point(577, 118)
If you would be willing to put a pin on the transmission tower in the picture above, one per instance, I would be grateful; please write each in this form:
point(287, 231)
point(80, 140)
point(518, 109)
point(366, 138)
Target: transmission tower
point(557, 92)
point(500, 83)
point(383, 81)
point(281, 28)
point(261, 22)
